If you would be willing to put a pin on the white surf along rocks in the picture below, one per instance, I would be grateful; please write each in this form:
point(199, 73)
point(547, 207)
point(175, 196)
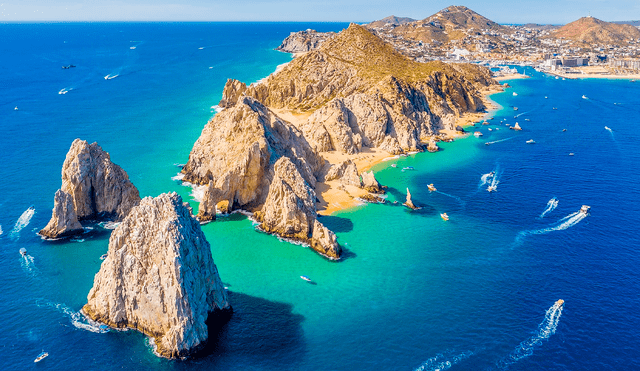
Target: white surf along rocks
point(93, 188)
point(159, 278)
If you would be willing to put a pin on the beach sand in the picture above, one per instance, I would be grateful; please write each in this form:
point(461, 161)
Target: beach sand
point(511, 76)
point(334, 196)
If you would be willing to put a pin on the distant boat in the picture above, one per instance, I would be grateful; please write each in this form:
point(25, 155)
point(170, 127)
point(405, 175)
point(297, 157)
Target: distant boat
point(41, 356)
point(571, 154)
point(15, 109)
point(306, 278)
point(477, 134)
point(444, 216)
point(132, 47)
point(554, 108)
point(394, 165)
point(431, 187)
point(490, 129)
point(606, 127)
point(515, 94)
point(557, 77)
point(407, 168)
point(530, 141)
point(545, 97)
point(486, 143)
point(564, 129)
point(584, 97)
point(23, 251)
point(559, 302)
point(515, 108)
point(585, 209)
point(67, 67)
point(491, 188)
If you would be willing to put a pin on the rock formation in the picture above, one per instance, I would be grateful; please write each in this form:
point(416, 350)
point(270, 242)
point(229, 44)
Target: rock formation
point(159, 278)
point(237, 149)
point(290, 211)
point(97, 188)
point(64, 220)
point(346, 172)
point(433, 146)
point(373, 199)
point(408, 203)
point(207, 209)
point(370, 184)
point(363, 93)
point(304, 41)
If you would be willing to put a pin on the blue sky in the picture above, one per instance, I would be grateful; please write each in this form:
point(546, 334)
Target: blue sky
point(502, 11)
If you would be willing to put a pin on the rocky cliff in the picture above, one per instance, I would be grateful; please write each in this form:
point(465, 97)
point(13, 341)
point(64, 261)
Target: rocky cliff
point(304, 41)
point(93, 188)
point(290, 211)
point(365, 94)
point(237, 149)
point(159, 278)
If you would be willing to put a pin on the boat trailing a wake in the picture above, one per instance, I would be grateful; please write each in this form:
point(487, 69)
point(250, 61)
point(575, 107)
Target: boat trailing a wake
point(545, 330)
point(443, 361)
point(562, 224)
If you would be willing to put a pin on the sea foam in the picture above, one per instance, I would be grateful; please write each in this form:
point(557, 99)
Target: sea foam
point(22, 222)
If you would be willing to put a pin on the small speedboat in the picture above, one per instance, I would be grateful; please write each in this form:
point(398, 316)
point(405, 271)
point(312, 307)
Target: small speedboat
point(486, 143)
point(571, 154)
point(407, 168)
point(490, 129)
point(584, 97)
point(530, 141)
point(431, 187)
point(16, 108)
point(545, 97)
point(515, 108)
point(491, 188)
point(23, 251)
point(477, 134)
point(585, 209)
point(41, 356)
point(559, 303)
point(306, 278)
point(394, 165)
point(444, 216)
point(564, 129)
point(515, 94)
point(555, 108)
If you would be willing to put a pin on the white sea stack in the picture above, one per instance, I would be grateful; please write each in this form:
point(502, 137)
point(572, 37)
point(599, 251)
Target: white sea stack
point(159, 278)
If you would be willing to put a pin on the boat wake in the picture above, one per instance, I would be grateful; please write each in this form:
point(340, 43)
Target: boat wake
point(498, 141)
point(551, 205)
point(22, 222)
point(443, 361)
point(562, 224)
point(64, 91)
point(610, 132)
point(28, 264)
point(544, 331)
point(0, 230)
point(461, 201)
point(77, 319)
point(111, 76)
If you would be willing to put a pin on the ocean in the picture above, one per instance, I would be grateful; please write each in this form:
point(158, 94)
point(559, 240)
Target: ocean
point(477, 292)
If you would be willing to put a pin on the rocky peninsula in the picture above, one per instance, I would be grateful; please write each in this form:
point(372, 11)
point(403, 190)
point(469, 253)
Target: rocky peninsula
point(307, 133)
point(159, 278)
point(93, 188)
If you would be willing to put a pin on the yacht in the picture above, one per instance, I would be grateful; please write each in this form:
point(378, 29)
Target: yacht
point(444, 216)
point(394, 165)
point(515, 94)
point(585, 209)
point(306, 278)
point(478, 134)
point(431, 187)
point(23, 251)
point(41, 356)
point(584, 97)
point(491, 188)
point(515, 108)
point(530, 141)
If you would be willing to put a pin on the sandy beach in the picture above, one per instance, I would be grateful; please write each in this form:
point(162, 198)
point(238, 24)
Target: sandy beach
point(511, 76)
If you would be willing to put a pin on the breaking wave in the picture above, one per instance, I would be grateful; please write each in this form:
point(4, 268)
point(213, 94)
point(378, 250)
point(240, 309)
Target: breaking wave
point(551, 205)
point(77, 319)
point(22, 222)
point(178, 177)
point(544, 331)
point(443, 361)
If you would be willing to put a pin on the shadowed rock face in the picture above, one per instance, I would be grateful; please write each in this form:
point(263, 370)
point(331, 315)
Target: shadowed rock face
point(290, 211)
point(159, 278)
point(96, 187)
point(303, 41)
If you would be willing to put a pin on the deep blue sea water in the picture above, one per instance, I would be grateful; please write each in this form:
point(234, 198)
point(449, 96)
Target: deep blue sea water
point(416, 292)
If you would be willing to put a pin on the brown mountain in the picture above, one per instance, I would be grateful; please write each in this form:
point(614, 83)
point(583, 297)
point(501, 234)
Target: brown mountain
point(451, 23)
point(390, 20)
point(589, 30)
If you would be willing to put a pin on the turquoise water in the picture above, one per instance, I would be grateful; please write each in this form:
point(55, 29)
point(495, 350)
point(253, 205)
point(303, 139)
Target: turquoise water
point(414, 292)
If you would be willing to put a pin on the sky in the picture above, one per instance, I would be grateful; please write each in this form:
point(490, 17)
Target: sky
point(501, 11)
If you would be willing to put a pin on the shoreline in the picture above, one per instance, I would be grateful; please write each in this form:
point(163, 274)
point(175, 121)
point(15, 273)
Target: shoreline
point(594, 72)
point(334, 196)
